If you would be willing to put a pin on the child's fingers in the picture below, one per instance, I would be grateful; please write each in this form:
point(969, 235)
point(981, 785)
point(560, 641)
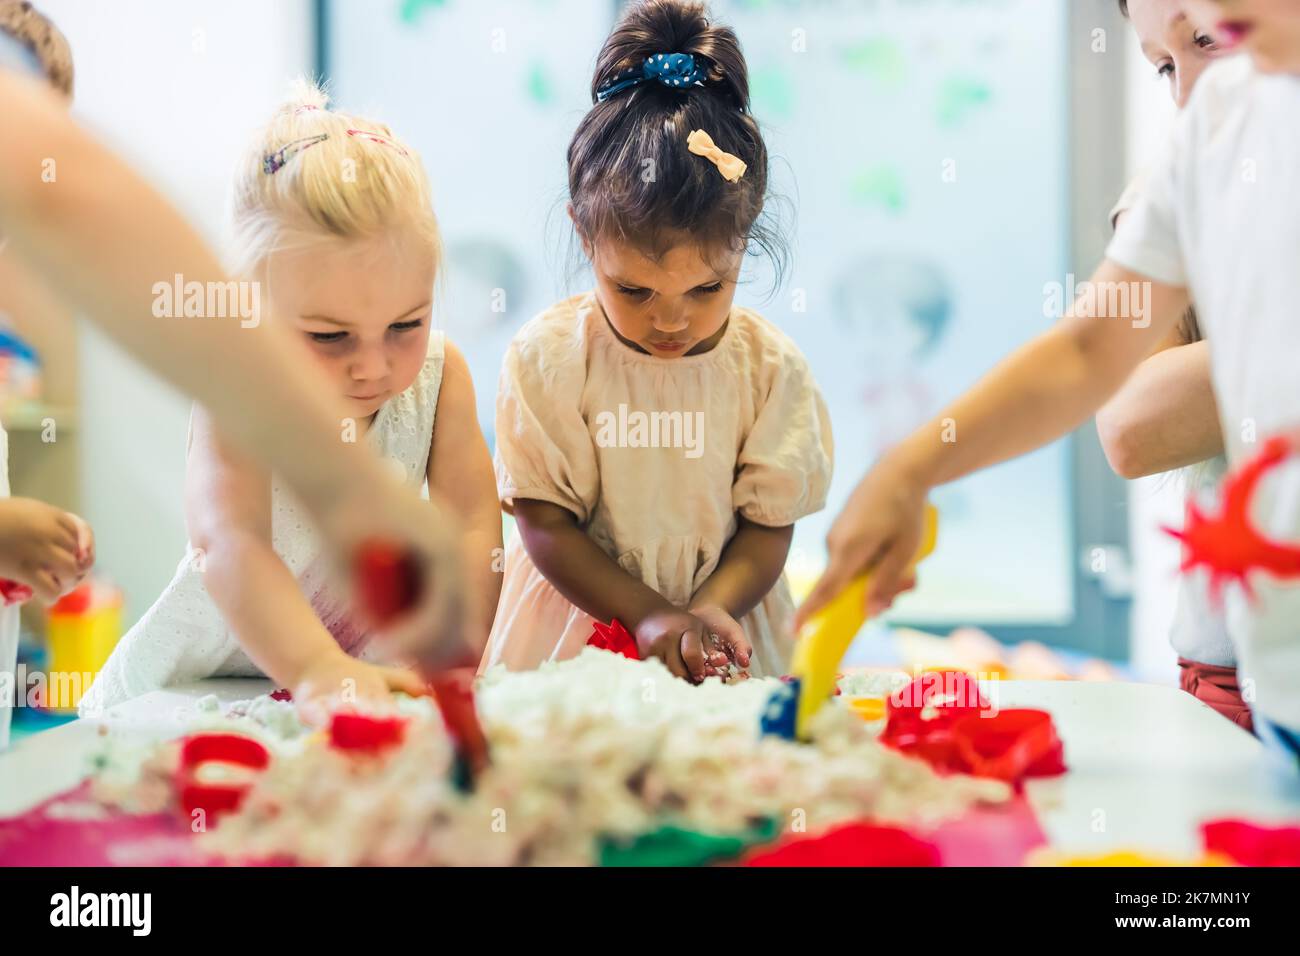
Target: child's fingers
point(85, 548)
point(63, 544)
point(62, 564)
point(314, 710)
point(887, 579)
point(728, 641)
point(45, 585)
point(676, 663)
point(693, 653)
point(740, 654)
point(734, 640)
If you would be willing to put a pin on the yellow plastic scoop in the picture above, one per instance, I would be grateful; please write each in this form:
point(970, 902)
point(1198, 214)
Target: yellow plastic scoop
point(825, 638)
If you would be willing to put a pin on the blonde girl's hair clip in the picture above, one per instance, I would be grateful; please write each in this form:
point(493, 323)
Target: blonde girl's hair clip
point(377, 138)
point(701, 144)
point(272, 163)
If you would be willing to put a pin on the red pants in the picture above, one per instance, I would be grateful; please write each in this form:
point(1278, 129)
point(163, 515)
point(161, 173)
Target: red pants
point(1216, 686)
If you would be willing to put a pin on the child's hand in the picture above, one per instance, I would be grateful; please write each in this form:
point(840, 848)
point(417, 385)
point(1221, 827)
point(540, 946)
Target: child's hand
point(878, 530)
point(727, 634)
point(337, 680)
point(85, 541)
point(46, 548)
point(435, 630)
point(682, 642)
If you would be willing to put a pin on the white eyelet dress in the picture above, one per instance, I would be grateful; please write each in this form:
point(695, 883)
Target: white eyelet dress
point(576, 426)
point(183, 637)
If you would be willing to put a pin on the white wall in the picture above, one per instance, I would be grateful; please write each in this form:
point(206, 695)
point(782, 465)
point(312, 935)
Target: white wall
point(176, 86)
point(1157, 500)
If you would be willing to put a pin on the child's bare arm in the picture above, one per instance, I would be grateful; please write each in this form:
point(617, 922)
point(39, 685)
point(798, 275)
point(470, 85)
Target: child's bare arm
point(1165, 416)
point(579, 569)
point(1046, 388)
point(460, 469)
point(228, 514)
point(102, 237)
point(1041, 392)
point(750, 566)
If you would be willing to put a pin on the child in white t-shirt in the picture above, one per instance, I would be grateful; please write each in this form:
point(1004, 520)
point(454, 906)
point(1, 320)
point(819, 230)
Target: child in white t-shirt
point(1219, 222)
point(1231, 178)
point(1165, 419)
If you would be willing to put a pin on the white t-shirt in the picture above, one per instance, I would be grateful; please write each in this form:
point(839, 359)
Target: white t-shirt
point(1221, 217)
point(1199, 632)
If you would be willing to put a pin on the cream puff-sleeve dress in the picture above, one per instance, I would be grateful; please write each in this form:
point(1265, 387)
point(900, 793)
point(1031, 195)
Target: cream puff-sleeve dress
point(656, 458)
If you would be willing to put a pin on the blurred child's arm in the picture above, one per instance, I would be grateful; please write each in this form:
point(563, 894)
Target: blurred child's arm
point(30, 305)
point(103, 238)
point(460, 469)
point(577, 568)
point(75, 213)
point(1046, 388)
point(1039, 393)
point(228, 515)
point(1165, 416)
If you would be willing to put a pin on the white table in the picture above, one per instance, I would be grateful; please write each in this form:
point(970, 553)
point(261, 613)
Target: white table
point(1147, 763)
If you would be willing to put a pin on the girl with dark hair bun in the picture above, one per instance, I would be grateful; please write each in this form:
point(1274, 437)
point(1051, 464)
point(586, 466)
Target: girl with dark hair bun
point(656, 442)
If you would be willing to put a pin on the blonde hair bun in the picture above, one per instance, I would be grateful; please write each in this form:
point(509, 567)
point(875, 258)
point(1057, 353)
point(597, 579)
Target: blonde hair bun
point(315, 174)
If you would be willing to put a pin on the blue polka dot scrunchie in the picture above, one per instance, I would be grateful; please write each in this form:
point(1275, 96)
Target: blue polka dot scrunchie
point(674, 70)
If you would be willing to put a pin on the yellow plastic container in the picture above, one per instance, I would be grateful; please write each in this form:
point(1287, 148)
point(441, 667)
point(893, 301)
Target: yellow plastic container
point(82, 629)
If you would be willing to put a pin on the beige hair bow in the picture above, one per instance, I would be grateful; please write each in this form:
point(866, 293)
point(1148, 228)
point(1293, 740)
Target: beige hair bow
point(701, 144)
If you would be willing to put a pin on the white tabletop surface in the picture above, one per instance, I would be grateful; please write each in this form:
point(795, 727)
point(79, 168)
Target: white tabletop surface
point(1147, 763)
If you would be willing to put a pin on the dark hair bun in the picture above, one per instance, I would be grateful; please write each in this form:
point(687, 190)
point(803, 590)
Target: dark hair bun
point(674, 26)
point(631, 175)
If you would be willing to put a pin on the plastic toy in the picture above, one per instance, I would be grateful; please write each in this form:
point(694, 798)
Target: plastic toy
point(943, 719)
point(613, 637)
point(82, 629)
point(676, 846)
point(365, 734)
point(853, 844)
point(11, 592)
point(780, 712)
point(199, 750)
point(388, 582)
point(1248, 844)
point(1227, 544)
point(824, 639)
point(454, 692)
